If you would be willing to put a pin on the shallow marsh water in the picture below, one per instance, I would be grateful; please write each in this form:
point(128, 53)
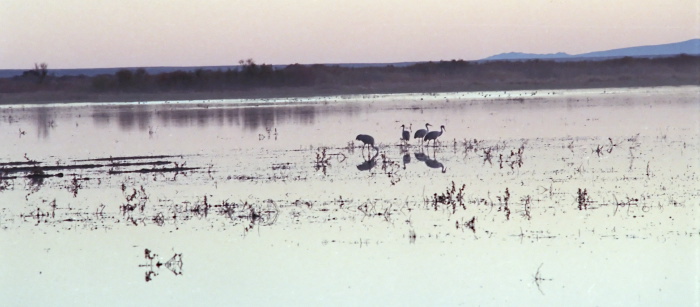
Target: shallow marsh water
point(580, 197)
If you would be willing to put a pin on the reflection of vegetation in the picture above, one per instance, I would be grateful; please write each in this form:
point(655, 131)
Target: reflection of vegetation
point(323, 159)
point(582, 199)
point(75, 185)
point(174, 264)
point(454, 75)
point(135, 199)
point(36, 179)
point(391, 168)
point(452, 197)
point(539, 279)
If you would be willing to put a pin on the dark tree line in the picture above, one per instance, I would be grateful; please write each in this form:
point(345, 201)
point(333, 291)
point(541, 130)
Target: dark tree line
point(249, 75)
point(451, 75)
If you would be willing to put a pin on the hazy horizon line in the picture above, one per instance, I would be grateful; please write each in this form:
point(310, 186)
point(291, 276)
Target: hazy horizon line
point(407, 62)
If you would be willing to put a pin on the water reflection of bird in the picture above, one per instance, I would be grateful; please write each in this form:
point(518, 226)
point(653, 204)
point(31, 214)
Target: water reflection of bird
point(366, 140)
point(420, 133)
point(432, 163)
point(420, 156)
point(368, 164)
point(405, 135)
point(406, 160)
point(433, 135)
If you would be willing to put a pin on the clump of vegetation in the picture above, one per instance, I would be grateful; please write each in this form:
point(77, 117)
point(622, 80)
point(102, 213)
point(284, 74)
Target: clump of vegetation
point(136, 199)
point(36, 179)
point(75, 185)
point(487, 155)
point(201, 208)
point(503, 203)
point(5, 184)
point(391, 169)
point(514, 159)
point(264, 214)
point(582, 199)
point(323, 159)
point(452, 197)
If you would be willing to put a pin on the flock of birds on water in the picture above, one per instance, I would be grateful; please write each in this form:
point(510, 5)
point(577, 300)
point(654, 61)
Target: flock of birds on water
point(424, 135)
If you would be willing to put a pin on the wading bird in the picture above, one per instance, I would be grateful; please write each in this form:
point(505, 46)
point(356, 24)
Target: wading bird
point(405, 135)
point(433, 135)
point(366, 140)
point(420, 133)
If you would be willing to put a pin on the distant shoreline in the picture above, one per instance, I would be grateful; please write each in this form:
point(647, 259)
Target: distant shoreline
point(297, 81)
point(40, 98)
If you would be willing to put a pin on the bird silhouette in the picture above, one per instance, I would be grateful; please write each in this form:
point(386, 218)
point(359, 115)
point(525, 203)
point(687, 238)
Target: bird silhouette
point(405, 134)
point(433, 135)
point(366, 140)
point(420, 133)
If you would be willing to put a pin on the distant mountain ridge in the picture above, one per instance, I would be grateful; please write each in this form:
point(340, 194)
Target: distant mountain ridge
point(686, 47)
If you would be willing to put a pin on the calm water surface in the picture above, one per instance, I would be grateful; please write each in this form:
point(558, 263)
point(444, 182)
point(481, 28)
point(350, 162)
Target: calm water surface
point(585, 197)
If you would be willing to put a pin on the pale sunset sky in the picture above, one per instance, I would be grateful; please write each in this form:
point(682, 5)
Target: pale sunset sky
point(143, 33)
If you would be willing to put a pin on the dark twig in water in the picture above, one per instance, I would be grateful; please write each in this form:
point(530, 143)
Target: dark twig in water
point(526, 207)
point(628, 203)
point(538, 279)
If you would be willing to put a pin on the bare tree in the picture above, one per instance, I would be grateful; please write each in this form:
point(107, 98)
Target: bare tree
point(41, 70)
